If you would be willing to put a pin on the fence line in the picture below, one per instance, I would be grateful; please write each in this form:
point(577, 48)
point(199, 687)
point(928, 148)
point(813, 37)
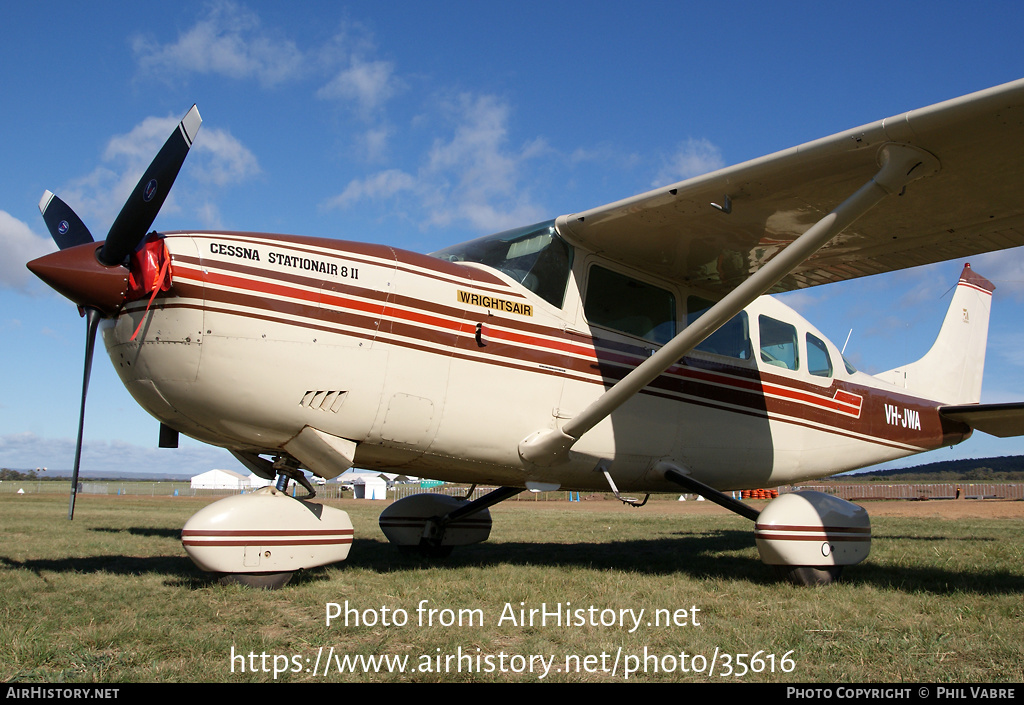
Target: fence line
point(849, 491)
point(943, 490)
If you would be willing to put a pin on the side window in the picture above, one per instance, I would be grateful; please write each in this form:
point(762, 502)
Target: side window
point(731, 340)
point(819, 363)
point(778, 343)
point(631, 306)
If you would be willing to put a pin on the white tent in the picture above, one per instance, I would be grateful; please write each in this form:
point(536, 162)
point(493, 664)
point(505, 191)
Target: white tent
point(226, 480)
point(369, 487)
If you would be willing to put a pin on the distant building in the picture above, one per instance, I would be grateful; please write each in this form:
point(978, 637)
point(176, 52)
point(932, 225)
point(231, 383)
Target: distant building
point(369, 487)
point(227, 480)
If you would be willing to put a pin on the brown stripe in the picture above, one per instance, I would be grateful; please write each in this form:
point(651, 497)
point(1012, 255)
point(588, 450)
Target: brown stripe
point(677, 382)
point(266, 532)
point(271, 542)
point(782, 527)
point(816, 537)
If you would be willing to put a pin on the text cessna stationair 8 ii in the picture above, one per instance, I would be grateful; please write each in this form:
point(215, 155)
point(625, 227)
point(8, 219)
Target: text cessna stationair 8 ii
point(628, 347)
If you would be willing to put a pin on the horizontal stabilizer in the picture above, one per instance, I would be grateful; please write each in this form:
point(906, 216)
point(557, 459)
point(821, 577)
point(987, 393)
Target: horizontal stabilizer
point(1002, 420)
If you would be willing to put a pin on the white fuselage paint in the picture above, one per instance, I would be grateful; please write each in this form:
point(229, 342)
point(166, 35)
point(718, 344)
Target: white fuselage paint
point(443, 369)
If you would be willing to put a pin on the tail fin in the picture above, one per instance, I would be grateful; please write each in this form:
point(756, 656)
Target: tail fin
point(951, 371)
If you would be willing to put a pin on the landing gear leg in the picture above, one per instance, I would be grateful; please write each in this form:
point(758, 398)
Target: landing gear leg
point(288, 469)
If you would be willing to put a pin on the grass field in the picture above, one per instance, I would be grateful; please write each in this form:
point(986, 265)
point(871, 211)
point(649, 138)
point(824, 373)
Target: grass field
point(112, 597)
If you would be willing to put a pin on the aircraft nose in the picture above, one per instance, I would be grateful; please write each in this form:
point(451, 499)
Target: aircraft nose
point(76, 274)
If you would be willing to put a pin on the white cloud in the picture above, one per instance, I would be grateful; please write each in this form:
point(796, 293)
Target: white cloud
point(369, 84)
point(374, 143)
point(473, 176)
point(381, 185)
point(24, 451)
point(19, 245)
point(690, 158)
point(229, 41)
point(222, 159)
point(216, 158)
point(98, 196)
point(1010, 347)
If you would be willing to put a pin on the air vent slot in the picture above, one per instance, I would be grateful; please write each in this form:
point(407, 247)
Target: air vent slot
point(323, 400)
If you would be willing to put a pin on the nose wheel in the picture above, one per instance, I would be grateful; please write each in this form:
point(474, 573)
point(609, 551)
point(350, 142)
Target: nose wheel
point(809, 576)
point(259, 581)
point(262, 538)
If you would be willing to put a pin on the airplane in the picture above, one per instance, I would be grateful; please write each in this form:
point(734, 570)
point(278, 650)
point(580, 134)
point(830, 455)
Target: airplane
point(633, 347)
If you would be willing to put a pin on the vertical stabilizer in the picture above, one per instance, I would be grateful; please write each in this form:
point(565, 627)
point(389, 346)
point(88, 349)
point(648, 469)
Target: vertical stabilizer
point(951, 371)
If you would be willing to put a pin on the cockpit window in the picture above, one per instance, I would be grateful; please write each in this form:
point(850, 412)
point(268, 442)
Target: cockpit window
point(534, 256)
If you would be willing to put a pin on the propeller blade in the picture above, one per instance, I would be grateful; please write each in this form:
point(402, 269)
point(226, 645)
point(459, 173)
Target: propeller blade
point(140, 209)
point(66, 228)
point(92, 321)
point(92, 275)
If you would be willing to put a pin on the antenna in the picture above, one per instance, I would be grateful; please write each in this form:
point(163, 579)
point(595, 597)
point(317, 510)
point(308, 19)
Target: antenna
point(843, 351)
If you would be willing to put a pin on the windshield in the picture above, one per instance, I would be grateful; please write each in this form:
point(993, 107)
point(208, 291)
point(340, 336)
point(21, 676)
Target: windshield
point(535, 256)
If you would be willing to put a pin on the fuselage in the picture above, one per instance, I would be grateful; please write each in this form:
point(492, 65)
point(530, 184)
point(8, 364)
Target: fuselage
point(441, 368)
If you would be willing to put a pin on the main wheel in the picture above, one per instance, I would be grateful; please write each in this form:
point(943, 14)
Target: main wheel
point(809, 575)
point(426, 551)
point(261, 581)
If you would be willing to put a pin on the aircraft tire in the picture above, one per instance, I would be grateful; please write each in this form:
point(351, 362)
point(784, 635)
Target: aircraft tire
point(426, 552)
point(809, 576)
point(259, 581)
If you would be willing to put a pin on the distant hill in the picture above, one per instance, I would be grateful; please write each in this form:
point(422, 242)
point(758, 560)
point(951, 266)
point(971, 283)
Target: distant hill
point(88, 475)
point(1008, 468)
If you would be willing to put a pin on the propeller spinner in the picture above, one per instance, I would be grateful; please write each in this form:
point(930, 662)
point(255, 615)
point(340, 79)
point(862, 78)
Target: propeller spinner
point(95, 275)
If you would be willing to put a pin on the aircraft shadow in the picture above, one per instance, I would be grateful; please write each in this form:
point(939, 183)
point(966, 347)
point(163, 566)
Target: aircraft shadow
point(695, 555)
point(144, 531)
point(698, 555)
point(171, 566)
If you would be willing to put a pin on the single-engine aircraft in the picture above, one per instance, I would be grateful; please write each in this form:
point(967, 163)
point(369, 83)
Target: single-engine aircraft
point(630, 347)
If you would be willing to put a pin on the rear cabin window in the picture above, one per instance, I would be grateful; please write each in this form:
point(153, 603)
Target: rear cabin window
point(778, 343)
point(731, 340)
point(819, 363)
point(631, 306)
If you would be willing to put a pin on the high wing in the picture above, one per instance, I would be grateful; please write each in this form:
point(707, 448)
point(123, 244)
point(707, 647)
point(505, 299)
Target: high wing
point(975, 203)
point(926, 186)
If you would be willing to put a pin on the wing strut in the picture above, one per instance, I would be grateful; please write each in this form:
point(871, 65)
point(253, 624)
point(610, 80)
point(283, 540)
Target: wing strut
point(900, 164)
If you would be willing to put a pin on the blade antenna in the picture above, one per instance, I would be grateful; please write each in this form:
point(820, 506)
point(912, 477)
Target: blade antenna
point(92, 320)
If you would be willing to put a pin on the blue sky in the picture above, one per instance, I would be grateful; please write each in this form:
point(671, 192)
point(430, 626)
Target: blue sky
point(423, 124)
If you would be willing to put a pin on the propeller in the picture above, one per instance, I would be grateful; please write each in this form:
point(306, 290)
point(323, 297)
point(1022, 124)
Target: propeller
point(95, 276)
point(66, 228)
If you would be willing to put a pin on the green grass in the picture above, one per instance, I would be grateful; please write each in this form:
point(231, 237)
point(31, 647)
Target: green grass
point(112, 597)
